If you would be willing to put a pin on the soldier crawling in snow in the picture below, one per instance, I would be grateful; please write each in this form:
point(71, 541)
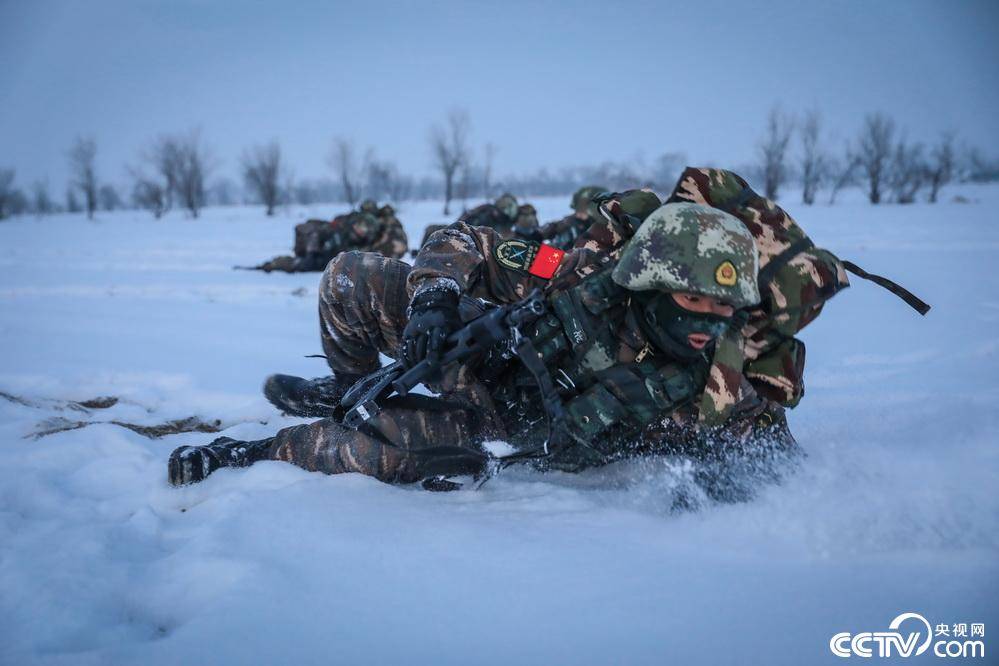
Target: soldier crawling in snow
point(505, 216)
point(663, 333)
point(563, 233)
point(369, 228)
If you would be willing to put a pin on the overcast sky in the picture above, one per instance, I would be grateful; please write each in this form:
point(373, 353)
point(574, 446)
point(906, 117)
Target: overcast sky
point(548, 83)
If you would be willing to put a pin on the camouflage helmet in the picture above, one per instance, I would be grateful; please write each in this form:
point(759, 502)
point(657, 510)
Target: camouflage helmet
point(527, 216)
point(583, 196)
point(694, 248)
point(369, 206)
point(507, 203)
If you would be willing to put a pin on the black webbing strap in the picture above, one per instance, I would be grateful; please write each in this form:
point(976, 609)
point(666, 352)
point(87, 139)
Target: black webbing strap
point(768, 272)
point(914, 301)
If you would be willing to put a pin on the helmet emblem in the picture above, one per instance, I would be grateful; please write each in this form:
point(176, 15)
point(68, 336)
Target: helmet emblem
point(725, 274)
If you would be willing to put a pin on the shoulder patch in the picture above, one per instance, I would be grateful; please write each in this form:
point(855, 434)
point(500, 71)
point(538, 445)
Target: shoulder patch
point(530, 257)
point(516, 254)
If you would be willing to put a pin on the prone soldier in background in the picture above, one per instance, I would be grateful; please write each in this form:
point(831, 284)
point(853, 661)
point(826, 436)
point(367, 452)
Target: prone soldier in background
point(563, 233)
point(505, 216)
point(369, 228)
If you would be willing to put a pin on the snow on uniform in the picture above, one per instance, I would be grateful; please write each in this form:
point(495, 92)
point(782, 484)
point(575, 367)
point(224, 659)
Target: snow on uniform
point(620, 396)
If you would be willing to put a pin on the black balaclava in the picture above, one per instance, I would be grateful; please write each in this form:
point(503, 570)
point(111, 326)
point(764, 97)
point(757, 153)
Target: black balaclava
point(667, 325)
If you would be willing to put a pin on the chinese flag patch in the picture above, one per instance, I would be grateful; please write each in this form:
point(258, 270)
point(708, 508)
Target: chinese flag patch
point(546, 261)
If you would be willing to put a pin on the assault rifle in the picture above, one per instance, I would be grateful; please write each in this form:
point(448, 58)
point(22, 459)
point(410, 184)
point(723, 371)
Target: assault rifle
point(498, 326)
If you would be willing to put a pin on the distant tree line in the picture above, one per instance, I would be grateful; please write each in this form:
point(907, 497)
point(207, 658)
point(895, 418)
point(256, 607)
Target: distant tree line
point(880, 159)
point(178, 171)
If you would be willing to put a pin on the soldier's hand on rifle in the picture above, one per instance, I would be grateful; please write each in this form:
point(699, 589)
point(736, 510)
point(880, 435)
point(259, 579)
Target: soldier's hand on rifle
point(433, 316)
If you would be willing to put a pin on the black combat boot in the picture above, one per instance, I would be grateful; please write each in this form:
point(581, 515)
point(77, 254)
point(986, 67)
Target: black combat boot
point(296, 396)
point(190, 464)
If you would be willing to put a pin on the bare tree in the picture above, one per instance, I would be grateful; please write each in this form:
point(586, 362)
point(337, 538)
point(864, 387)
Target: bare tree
point(82, 157)
point(194, 167)
point(487, 170)
point(286, 195)
point(449, 145)
point(907, 173)
point(164, 156)
point(18, 203)
point(349, 168)
point(183, 162)
point(72, 203)
point(384, 182)
point(6, 191)
point(41, 201)
point(306, 192)
point(773, 151)
point(941, 167)
point(843, 172)
point(149, 194)
point(814, 162)
point(874, 152)
point(262, 173)
point(109, 198)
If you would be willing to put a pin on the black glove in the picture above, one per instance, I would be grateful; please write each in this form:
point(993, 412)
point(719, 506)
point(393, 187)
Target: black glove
point(433, 316)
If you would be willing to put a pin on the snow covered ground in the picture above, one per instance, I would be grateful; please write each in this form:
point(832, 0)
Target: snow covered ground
point(895, 508)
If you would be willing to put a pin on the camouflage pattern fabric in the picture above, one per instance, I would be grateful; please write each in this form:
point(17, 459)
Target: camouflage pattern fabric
point(492, 216)
point(583, 197)
point(796, 279)
point(392, 242)
point(620, 389)
point(563, 233)
point(362, 310)
point(430, 231)
point(318, 241)
point(617, 387)
point(312, 237)
point(389, 446)
point(692, 248)
point(371, 232)
point(465, 253)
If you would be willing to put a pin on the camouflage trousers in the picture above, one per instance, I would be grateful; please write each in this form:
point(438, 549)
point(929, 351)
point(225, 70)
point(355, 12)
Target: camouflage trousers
point(362, 314)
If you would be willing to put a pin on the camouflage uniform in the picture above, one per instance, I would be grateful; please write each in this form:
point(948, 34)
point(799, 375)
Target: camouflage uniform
point(523, 223)
point(622, 397)
point(796, 279)
point(317, 241)
point(563, 233)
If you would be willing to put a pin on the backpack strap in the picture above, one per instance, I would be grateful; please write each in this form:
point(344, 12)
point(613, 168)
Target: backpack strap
point(768, 272)
point(914, 301)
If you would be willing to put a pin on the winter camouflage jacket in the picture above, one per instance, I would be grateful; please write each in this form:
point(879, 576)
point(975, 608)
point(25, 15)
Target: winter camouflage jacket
point(381, 233)
point(563, 233)
point(614, 384)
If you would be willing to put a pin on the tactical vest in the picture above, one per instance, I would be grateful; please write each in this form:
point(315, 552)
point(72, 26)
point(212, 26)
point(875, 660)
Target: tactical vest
point(605, 400)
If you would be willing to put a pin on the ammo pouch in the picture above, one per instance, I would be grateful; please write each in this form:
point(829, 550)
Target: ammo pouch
point(778, 373)
point(633, 395)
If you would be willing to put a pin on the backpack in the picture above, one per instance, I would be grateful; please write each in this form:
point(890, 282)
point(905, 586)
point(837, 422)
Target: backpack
point(796, 279)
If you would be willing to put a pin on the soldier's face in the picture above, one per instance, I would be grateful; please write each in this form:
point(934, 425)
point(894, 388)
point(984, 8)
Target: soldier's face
point(701, 305)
